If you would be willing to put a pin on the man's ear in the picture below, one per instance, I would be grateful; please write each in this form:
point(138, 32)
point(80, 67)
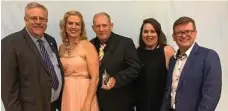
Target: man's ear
point(111, 26)
point(174, 39)
point(195, 32)
point(93, 27)
point(25, 19)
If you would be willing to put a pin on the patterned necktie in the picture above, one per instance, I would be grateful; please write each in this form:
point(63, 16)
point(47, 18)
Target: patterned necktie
point(49, 65)
point(101, 52)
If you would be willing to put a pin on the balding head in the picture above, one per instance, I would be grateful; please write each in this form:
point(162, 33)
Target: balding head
point(102, 26)
point(101, 14)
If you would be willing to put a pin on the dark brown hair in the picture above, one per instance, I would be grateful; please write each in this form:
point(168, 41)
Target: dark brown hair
point(161, 36)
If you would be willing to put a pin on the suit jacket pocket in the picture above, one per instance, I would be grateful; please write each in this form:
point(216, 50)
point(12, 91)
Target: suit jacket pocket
point(27, 95)
point(29, 107)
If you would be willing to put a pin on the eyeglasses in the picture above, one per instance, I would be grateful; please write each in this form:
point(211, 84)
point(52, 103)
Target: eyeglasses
point(35, 18)
point(186, 32)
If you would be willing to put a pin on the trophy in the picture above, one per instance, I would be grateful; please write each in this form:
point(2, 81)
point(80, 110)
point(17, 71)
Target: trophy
point(105, 77)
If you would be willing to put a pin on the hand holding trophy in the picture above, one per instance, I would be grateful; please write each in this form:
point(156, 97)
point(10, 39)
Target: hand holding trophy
point(105, 77)
point(108, 82)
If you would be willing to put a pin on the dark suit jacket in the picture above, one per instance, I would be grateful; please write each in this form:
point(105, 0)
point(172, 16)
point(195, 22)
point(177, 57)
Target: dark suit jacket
point(121, 62)
point(199, 86)
point(26, 82)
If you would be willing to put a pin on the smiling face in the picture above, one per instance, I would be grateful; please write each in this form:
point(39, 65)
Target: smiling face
point(149, 35)
point(102, 27)
point(36, 21)
point(73, 26)
point(184, 35)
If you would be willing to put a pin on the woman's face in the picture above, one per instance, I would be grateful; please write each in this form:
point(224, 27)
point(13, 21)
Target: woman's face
point(149, 35)
point(73, 26)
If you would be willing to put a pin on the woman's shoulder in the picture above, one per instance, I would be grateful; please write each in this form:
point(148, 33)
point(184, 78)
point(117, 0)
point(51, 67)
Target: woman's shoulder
point(62, 49)
point(86, 44)
point(62, 46)
point(168, 48)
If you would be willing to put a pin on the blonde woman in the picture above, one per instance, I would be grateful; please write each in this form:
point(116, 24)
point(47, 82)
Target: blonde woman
point(80, 63)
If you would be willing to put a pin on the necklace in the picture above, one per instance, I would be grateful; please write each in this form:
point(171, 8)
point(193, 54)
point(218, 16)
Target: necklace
point(70, 48)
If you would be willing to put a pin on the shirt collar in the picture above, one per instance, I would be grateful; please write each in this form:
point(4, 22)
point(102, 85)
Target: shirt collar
point(102, 46)
point(34, 38)
point(187, 53)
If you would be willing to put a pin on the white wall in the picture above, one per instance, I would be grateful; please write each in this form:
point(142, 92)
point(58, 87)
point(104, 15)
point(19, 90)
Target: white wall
point(211, 20)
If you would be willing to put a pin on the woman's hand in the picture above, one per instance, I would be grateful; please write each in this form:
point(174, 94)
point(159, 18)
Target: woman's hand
point(86, 106)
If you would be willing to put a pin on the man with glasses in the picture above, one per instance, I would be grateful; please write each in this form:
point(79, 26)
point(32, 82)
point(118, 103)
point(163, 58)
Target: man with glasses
point(195, 76)
point(32, 75)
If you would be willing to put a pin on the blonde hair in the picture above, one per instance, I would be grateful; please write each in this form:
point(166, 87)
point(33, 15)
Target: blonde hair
point(63, 22)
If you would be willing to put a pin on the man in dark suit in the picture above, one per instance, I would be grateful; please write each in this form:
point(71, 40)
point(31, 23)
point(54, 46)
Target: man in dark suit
point(194, 76)
point(31, 71)
point(118, 56)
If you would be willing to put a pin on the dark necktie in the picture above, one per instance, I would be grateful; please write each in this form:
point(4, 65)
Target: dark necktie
point(49, 65)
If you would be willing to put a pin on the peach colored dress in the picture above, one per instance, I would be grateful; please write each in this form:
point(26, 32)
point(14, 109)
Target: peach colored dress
point(76, 84)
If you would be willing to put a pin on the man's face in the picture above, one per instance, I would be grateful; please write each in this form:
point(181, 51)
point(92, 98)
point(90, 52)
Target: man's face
point(102, 27)
point(36, 21)
point(184, 35)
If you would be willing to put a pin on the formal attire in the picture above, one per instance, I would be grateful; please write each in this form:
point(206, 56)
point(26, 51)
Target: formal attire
point(152, 80)
point(27, 80)
point(121, 61)
point(194, 81)
point(76, 85)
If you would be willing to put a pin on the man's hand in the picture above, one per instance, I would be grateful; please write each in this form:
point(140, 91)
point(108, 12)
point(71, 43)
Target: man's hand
point(111, 83)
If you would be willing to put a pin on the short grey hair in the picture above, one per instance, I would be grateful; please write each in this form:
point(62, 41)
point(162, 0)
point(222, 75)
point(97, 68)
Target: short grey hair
point(35, 5)
point(100, 14)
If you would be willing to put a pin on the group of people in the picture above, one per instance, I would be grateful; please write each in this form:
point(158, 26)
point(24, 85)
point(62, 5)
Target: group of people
point(107, 73)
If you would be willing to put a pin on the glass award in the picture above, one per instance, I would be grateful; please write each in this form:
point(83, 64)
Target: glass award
point(106, 77)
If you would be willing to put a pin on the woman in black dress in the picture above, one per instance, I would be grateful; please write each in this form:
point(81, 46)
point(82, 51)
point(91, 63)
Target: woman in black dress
point(154, 54)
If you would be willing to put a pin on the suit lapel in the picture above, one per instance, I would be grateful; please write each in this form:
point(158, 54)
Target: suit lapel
point(188, 64)
point(109, 49)
point(33, 48)
point(51, 44)
point(96, 43)
point(107, 53)
point(171, 68)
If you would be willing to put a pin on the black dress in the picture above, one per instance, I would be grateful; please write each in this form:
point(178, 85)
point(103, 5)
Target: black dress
point(152, 81)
